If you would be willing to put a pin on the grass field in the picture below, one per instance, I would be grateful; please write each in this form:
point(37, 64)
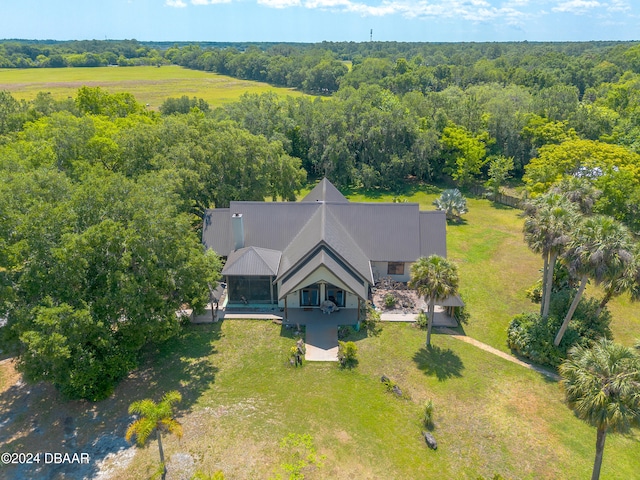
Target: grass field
point(150, 85)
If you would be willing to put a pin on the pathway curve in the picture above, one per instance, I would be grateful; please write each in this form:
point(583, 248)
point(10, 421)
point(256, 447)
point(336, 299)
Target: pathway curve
point(499, 353)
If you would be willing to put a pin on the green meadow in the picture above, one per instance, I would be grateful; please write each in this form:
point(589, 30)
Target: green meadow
point(150, 85)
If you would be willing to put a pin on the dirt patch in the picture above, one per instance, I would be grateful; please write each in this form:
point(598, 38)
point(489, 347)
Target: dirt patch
point(343, 437)
point(8, 374)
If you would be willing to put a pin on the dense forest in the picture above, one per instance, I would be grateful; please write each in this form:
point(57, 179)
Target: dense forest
point(99, 174)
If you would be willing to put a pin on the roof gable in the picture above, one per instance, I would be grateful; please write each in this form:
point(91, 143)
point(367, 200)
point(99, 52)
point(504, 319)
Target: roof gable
point(325, 191)
point(329, 268)
point(324, 228)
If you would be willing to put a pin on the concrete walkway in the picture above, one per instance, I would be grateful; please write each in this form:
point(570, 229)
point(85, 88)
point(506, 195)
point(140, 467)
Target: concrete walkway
point(499, 353)
point(321, 342)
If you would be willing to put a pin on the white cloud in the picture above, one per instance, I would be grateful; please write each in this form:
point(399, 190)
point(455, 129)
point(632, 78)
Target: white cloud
point(279, 3)
point(476, 11)
point(473, 10)
point(577, 6)
point(619, 6)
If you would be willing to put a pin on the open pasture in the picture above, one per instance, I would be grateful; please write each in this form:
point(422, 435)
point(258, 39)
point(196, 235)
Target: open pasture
point(150, 85)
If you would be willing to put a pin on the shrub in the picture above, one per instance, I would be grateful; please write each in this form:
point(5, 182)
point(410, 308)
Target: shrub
point(345, 331)
point(532, 336)
point(428, 415)
point(585, 320)
point(347, 354)
point(561, 282)
point(389, 300)
point(453, 203)
point(371, 319)
point(296, 353)
point(422, 320)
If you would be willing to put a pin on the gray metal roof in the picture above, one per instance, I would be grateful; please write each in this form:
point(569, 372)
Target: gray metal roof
point(356, 232)
point(433, 233)
point(269, 225)
point(384, 231)
point(323, 227)
point(252, 261)
point(451, 301)
point(216, 230)
point(325, 191)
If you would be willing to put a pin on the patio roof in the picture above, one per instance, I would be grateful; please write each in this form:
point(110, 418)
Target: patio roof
point(252, 261)
point(451, 301)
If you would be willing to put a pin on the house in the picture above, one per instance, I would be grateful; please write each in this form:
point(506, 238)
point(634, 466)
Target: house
point(322, 251)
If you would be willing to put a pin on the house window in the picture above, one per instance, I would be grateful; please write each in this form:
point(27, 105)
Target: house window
point(395, 268)
point(310, 296)
point(336, 295)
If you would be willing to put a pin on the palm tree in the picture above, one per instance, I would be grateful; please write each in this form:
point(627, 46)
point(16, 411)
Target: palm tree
point(600, 250)
point(452, 203)
point(578, 191)
point(158, 417)
point(550, 218)
point(435, 278)
point(602, 387)
point(628, 280)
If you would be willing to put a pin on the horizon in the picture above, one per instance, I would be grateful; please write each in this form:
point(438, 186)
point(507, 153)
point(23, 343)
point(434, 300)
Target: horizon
point(276, 42)
point(315, 21)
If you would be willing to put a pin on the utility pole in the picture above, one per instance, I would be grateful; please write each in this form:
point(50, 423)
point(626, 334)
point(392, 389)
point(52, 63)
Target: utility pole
point(371, 35)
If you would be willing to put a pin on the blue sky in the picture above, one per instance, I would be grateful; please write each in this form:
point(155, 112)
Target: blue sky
point(318, 20)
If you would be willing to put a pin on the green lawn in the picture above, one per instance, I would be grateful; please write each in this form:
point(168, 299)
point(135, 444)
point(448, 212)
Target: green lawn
point(150, 85)
point(491, 416)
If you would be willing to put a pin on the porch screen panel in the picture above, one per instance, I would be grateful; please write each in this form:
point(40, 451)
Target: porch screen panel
point(249, 289)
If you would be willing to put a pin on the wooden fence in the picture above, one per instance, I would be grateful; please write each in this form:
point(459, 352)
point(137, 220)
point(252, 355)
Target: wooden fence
point(501, 198)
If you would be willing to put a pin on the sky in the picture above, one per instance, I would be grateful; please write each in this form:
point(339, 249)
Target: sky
point(320, 20)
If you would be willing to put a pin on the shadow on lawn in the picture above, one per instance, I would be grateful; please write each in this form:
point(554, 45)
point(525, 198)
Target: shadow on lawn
point(444, 364)
point(36, 418)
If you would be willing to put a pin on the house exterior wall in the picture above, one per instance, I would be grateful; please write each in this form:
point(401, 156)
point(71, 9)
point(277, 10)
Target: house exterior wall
point(293, 300)
point(380, 269)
